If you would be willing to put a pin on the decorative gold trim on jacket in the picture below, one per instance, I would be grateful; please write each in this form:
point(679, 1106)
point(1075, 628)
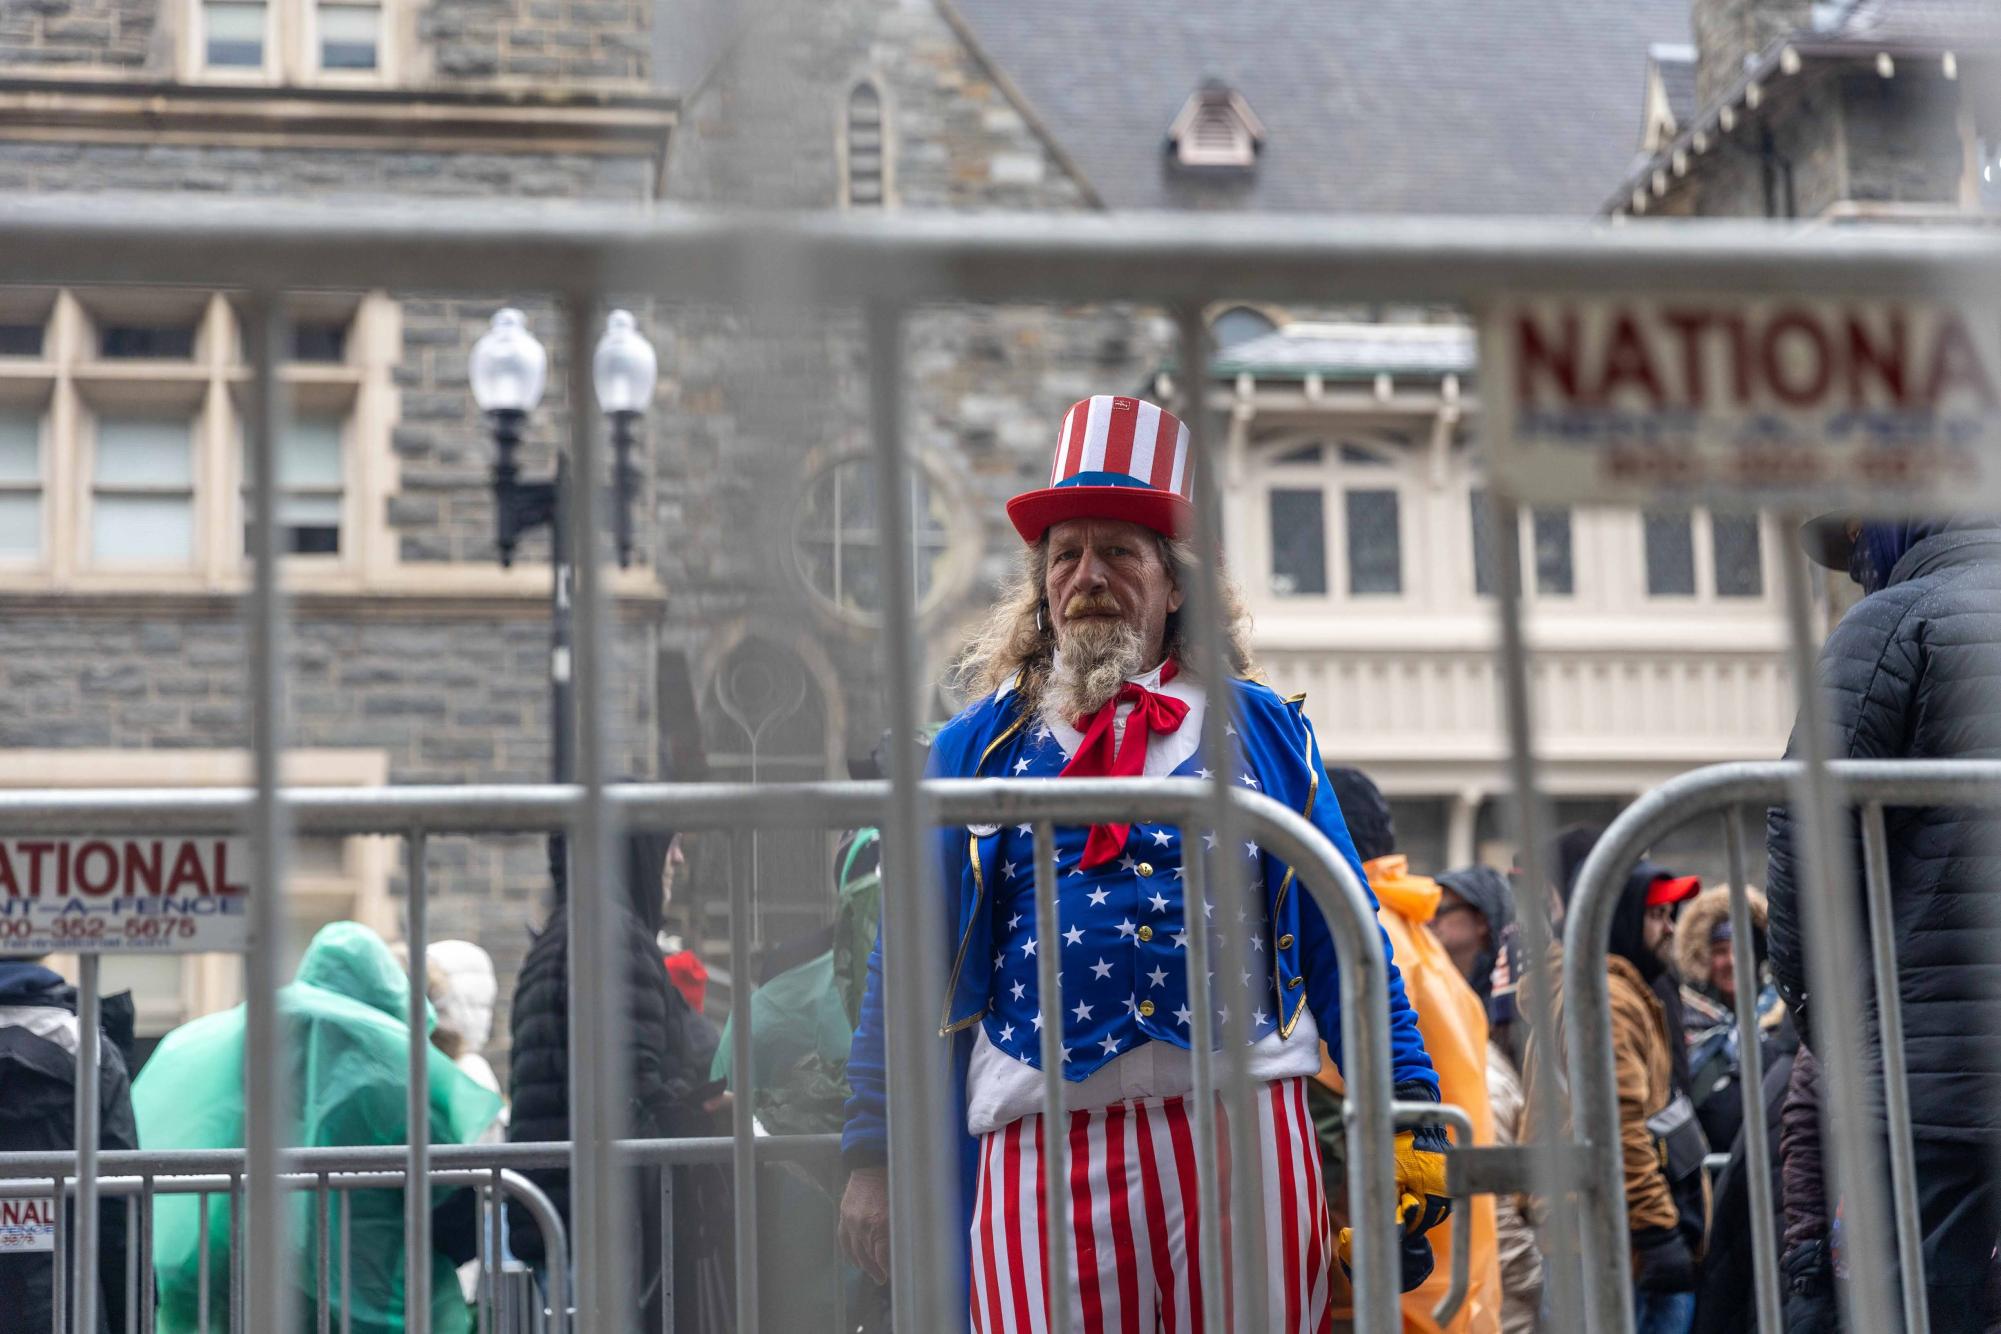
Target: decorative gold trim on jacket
point(945, 1025)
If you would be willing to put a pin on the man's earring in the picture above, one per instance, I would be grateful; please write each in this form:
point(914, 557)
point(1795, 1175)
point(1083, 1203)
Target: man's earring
point(1039, 626)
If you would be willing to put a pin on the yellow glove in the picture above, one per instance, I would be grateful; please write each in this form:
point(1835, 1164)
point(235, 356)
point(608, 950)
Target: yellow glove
point(1422, 1203)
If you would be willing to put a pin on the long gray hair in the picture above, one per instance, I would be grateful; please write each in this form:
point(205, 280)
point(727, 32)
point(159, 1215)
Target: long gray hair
point(1017, 638)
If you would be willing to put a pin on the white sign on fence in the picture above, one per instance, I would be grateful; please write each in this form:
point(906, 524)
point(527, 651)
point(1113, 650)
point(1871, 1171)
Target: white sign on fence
point(104, 895)
point(27, 1226)
point(1743, 401)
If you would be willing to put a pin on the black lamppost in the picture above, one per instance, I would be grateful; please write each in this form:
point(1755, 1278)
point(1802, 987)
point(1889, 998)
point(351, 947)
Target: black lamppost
point(508, 369)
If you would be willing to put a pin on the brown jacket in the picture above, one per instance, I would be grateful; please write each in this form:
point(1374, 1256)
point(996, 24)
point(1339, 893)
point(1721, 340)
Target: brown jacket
point(1643, 1065)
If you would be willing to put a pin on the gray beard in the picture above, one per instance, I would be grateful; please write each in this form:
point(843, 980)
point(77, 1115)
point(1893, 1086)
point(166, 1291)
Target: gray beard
point(1097, 659)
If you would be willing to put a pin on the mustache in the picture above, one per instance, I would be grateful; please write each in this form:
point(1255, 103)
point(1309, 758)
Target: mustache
point(1092, 604)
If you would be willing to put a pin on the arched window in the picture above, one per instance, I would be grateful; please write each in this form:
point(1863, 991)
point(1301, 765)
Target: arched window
point(837, 539)
point(1239, 324)
point(865, 148)
point(765, 719)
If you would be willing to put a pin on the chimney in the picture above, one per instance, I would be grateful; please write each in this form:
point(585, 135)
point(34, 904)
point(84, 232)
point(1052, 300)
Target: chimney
point(1728, 32)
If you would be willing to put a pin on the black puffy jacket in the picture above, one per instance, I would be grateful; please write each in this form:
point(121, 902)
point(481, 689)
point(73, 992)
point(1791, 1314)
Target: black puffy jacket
point(38, 1034)
point(1913, 671)
point(660, 1069)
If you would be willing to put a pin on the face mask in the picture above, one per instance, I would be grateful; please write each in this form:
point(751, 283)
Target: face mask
point(1860, 568)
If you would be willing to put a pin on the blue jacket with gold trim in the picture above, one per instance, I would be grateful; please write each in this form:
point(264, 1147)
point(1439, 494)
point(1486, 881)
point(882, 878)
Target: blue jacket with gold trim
point(989, 739)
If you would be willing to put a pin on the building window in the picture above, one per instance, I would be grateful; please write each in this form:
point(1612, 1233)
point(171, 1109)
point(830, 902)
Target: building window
point(142, 505)
point(1739, 561)
point(233, 34)
point(311, 470)
point(1240, 324)
point(122, 448)
point(837, 539)
point(1298, 543)
point(1216, 131)
point(1547, 541)
point(1699, 553)
point(1375, 544)
point(350, 36)
point(865, 148)
point(20, 484)
point(1670, 553)
point(290, 41)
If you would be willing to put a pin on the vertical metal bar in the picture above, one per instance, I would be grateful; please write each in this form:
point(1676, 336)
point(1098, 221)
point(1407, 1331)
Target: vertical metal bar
point(237, 1259)
point(925, 1273)
point(1757, 1139)
point(346, 1264)
point(1834, 960)
point(322, 1250)
point(1213, 666)
point(1603, 1239)
point(88, 1080)
point(1198, 904)
point(131, 1204)
point(201, 1265)
point(1055, 1159)
point(666, 1249)
point(597, 1065)
point(59, 1258)
point(146, 1282)
point(266, 1272)
point(496, 1249)
point(743, 1075)
point(417, 1131)
point(1896, 1085)
point(485, 1257)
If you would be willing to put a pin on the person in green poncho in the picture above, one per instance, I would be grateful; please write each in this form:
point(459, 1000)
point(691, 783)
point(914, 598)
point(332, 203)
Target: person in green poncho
point(346, 1051)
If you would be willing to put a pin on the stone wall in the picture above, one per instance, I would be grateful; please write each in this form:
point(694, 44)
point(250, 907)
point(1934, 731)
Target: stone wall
point(47, 35)
point(572, 42)
point(1903, 135)
point(1727, 31)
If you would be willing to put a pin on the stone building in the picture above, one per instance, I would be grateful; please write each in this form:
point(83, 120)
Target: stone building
point(746, 631)
point(1871, 110)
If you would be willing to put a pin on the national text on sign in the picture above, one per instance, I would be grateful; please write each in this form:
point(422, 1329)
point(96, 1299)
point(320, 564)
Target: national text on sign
point(116, 868)
point(1706, 360)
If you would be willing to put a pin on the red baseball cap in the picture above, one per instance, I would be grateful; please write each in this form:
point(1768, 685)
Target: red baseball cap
point(1672, 889)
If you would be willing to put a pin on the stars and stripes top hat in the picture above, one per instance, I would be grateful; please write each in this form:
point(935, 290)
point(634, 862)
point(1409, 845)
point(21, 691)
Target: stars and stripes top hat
point(1116, 458)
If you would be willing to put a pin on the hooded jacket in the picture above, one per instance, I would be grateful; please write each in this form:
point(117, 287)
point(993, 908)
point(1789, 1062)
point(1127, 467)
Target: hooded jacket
point(1642, 1063)
point(649, 1017)
point(1453, 1023)
point(1912, 672)
point(38, 1046)
point(347, 1052)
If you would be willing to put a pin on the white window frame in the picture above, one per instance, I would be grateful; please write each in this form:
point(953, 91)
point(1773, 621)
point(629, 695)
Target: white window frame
point(1702, 537)
point(75, 387)
point(1334, 478)
point(292, 47)
point(36, 403)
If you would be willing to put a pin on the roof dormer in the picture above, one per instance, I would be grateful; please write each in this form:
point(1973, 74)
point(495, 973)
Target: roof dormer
point(1216, 130)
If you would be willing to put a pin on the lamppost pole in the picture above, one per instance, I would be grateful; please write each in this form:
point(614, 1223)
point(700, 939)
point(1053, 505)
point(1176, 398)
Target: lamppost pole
point(509, 368)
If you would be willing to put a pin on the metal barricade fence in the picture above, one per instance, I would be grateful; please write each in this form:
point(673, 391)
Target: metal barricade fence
point(887, 267)
point(418, 813)
point(1721, 792)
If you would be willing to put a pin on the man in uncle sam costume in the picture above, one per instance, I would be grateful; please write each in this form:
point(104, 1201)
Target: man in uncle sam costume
point(1083, 674)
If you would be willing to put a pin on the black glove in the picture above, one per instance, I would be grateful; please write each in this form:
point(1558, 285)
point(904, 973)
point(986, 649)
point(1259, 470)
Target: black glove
point(1809, 1285)
point(1661, 1261)
point(1414, 1261)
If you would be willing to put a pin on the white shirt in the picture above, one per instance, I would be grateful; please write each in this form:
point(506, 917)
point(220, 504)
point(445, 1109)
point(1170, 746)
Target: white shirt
point(1001, 1089)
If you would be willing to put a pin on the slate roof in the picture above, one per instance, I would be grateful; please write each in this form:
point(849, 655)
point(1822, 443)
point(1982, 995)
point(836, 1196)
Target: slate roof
point(1370, 106)
point(1351, 352)
point(1972, 22)
point(1676, 63)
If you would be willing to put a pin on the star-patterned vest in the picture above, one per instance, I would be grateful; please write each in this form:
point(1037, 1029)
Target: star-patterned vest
point(1123, 939)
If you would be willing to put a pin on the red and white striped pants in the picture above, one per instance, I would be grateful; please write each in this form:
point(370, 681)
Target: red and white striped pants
point(1133, 1234)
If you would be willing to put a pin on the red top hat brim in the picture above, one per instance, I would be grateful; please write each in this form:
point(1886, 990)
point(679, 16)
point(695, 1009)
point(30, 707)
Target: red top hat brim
point(1036, 512)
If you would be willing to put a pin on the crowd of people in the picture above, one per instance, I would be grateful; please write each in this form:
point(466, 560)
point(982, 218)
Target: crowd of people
point(1079, 673)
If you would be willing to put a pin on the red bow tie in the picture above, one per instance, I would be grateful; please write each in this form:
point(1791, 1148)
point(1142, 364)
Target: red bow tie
point(1101, 755)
